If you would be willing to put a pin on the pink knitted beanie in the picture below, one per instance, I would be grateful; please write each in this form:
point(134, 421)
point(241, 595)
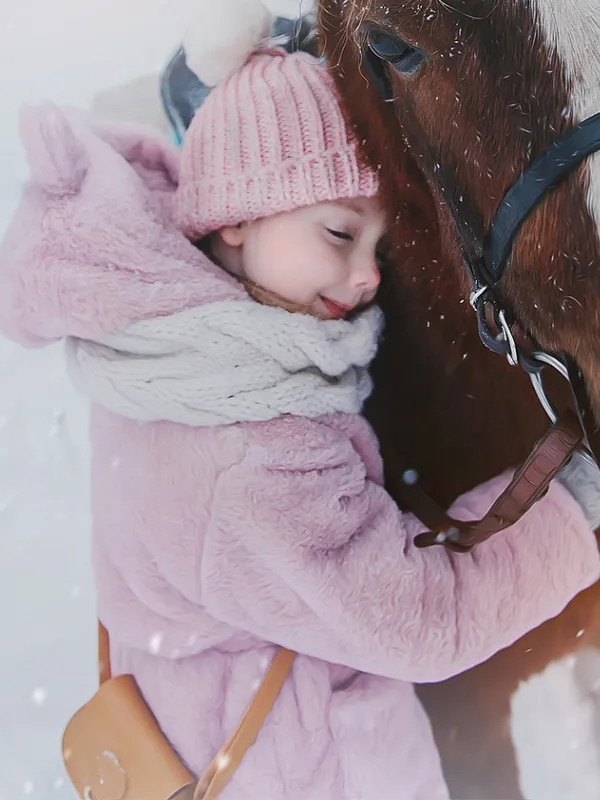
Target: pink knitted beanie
point(269, 139)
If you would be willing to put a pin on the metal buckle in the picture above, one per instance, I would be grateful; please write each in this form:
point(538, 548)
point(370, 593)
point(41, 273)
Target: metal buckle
point(534, 366)
point(503, 343)
point(476, 295)
point(513, 354)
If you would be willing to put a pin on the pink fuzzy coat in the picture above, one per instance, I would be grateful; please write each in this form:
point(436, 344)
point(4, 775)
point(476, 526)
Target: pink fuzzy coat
point(212, 543)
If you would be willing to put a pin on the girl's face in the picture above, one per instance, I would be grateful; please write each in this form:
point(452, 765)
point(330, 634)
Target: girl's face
point(323, 257)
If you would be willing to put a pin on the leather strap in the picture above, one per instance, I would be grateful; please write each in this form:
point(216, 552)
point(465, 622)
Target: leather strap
point(551, 453)
point(224, 764)
point(563, 156)
point(104, 673)
point(227, 760)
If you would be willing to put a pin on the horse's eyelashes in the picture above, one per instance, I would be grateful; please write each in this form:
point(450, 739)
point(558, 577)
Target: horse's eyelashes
point(390, 49)
point(386, 47)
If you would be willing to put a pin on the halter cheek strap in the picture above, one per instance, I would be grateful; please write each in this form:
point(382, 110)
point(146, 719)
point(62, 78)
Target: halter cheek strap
point(560, 159)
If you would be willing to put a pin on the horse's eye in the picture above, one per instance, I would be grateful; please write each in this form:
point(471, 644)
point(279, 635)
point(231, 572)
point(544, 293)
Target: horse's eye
point(401, 56)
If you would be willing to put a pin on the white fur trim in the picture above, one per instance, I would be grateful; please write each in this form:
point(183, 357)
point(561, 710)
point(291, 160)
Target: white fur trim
point(222, 36)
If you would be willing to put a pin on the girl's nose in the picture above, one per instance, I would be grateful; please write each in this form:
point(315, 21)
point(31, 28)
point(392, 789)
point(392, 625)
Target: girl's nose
point(366, 276)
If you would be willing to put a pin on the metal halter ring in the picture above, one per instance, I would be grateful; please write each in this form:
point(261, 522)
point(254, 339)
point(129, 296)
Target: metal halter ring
point(535, 375)
point(475, 295)
point(513, 354)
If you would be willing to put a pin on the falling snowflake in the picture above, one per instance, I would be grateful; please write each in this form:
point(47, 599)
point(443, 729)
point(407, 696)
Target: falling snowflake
point(264, 663)
point(410, 477)
point(223, 761)
point(39, 696)
point(155, 643)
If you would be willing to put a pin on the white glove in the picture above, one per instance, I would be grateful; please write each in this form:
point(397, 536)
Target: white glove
point(582, 478)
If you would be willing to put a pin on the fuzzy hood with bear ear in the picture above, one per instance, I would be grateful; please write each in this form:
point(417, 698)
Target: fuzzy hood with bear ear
point(92, 247)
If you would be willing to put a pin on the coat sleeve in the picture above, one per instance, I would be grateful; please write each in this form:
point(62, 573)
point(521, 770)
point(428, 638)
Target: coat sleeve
point(307, 551)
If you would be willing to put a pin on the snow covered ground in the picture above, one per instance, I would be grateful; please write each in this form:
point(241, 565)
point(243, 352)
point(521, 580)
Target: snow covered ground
point(68, 51)
point(73, 51)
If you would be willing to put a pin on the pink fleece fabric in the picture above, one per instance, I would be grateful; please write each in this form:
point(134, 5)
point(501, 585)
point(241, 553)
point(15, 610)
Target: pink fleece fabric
point(211, 544)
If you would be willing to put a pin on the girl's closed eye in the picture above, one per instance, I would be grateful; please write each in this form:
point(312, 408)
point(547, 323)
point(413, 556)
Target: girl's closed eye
point(341, 235)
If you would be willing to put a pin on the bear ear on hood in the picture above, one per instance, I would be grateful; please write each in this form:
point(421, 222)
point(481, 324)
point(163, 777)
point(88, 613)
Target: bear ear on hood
point(224, 33)
point(57, 160)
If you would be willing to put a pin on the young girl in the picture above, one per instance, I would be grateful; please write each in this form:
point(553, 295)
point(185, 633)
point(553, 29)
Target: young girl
point(237, 495)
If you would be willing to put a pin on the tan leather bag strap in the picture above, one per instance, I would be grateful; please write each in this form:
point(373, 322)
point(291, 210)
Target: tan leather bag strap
point(224, 764)
point(529, 484)
point(103, 654)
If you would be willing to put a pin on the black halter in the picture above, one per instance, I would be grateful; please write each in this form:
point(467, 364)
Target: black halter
point(544, 174)
point(559, 160)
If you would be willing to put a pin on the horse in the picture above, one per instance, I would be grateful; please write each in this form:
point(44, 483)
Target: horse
point(452, 100)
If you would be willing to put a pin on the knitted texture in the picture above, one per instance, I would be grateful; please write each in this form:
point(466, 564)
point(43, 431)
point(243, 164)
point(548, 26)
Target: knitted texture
point(270, 139)
point(228, 362)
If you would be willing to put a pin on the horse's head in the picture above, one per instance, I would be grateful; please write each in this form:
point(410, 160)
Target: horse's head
point(482, 88)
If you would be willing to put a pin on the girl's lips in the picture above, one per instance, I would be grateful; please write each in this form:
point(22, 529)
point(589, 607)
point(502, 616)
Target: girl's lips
point(337, 310)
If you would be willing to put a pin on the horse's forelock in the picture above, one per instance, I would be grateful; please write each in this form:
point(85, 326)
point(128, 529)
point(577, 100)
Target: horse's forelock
point(354, 13)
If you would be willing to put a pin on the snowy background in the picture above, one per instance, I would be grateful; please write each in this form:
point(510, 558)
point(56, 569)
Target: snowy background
point(90, 53)
point(69, 51)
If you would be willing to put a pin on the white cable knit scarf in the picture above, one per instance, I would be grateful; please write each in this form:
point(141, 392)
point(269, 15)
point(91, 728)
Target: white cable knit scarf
point(229, 362)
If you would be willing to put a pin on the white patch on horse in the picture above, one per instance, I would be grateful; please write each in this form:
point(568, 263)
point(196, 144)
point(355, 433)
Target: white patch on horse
point(571, 28)
point(555, 729)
